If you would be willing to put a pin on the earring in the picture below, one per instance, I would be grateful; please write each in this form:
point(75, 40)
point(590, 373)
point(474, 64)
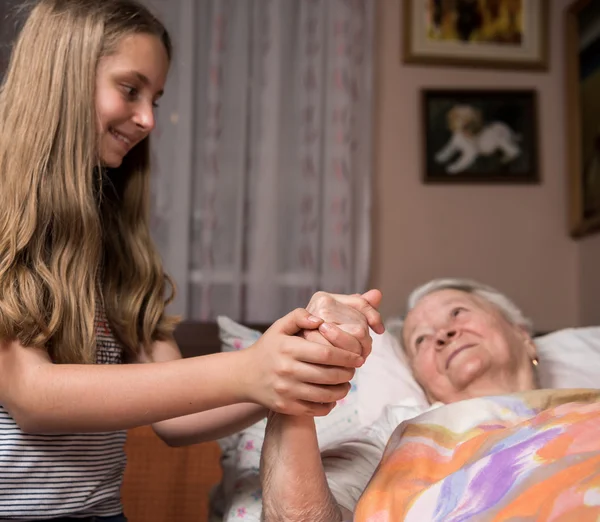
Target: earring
point(535, 361)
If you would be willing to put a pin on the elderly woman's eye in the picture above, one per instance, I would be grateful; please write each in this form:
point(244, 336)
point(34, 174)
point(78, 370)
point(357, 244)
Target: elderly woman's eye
point(456, 311)
point(419, 340)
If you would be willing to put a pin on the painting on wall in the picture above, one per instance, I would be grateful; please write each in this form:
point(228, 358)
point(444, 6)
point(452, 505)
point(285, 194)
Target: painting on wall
point(480, 33)
point(480, 136)
point(583, 115)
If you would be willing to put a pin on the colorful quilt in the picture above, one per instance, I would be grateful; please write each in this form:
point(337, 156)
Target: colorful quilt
point(522, 457)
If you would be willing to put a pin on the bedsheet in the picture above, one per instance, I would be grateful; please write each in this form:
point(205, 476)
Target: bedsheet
point(527, 456)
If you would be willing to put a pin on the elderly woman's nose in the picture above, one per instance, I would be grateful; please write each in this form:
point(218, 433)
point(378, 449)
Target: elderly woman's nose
point(444, 336)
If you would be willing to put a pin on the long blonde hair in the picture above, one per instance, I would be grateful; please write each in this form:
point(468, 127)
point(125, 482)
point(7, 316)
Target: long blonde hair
point(71, 231)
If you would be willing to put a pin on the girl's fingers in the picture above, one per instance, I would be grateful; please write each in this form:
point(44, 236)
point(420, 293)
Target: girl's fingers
point(310, 409)
point(313, 409)
point(296, 320)
point(316, 353)
point(348, 337)
point(323, 394)
point(296, 400)
point(318, 374)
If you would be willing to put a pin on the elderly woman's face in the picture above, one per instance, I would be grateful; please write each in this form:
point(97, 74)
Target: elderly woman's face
point(461, 346)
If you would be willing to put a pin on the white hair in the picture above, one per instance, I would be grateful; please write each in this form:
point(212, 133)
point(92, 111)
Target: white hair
point(508, 308)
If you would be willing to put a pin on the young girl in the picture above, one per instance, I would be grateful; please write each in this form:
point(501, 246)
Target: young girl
point(82, 289)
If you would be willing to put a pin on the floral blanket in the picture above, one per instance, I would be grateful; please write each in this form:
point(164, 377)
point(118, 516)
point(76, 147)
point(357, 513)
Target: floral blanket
point(527, 456)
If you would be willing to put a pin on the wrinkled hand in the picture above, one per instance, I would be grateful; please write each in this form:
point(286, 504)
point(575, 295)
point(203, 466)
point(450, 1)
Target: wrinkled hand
point(291, 375)
point(347, 319)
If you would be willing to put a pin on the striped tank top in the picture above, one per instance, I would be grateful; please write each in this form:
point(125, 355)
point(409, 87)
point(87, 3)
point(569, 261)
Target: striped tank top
point(47, 476)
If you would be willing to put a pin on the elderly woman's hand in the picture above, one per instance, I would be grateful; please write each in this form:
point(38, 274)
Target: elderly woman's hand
point(347, 320)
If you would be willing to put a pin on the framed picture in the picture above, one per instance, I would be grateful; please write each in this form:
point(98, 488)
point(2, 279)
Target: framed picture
point(480, 136)
point(510, 34)
point(582, 62)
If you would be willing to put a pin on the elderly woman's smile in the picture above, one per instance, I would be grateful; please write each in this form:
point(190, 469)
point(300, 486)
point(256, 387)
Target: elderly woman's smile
point(457, 351)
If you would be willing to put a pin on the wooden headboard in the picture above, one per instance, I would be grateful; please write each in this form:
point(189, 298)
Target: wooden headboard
point(195, 338)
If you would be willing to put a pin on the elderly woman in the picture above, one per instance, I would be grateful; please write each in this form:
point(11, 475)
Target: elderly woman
point(467, 340)
point(470, 349)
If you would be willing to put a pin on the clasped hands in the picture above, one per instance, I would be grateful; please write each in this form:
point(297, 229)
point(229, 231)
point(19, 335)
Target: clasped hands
point(303, 363)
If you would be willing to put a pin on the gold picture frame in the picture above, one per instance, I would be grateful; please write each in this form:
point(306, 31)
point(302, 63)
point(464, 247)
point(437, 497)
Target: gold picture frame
point(582, 68)
point(435, 33)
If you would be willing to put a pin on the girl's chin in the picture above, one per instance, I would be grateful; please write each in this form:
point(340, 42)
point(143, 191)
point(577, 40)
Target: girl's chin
point(111, 160)
point(111, 164)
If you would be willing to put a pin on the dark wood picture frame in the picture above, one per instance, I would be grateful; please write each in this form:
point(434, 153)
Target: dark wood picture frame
point(498, 145)
point(582, 220)
point(459, 54)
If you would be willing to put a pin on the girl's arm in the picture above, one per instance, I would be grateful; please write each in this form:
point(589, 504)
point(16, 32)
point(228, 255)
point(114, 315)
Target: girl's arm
point(280, 371)
point(209, 425)
point(205, 425)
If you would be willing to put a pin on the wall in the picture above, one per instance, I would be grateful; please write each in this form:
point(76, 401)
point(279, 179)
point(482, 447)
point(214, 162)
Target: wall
point(513, 237)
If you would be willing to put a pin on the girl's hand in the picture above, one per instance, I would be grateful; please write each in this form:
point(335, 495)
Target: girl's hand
point(290, 375)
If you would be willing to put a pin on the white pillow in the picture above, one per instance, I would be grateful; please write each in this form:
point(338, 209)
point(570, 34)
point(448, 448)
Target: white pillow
point(570, 358)
point(385, 379)
point(235, 336)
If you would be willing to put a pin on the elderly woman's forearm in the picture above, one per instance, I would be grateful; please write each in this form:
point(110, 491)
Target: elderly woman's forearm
point(294, 484)
point(273, 513)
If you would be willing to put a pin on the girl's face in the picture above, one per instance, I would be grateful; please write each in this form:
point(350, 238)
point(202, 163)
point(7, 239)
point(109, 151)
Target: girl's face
point(128, 86)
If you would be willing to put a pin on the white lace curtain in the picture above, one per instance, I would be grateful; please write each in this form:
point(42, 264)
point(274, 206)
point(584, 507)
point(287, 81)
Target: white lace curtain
point(263, 156)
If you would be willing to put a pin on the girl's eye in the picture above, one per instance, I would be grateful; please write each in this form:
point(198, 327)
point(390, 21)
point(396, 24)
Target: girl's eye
point(131, 92)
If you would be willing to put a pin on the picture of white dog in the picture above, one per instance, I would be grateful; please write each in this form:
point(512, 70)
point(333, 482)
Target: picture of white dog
point(471, 138)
